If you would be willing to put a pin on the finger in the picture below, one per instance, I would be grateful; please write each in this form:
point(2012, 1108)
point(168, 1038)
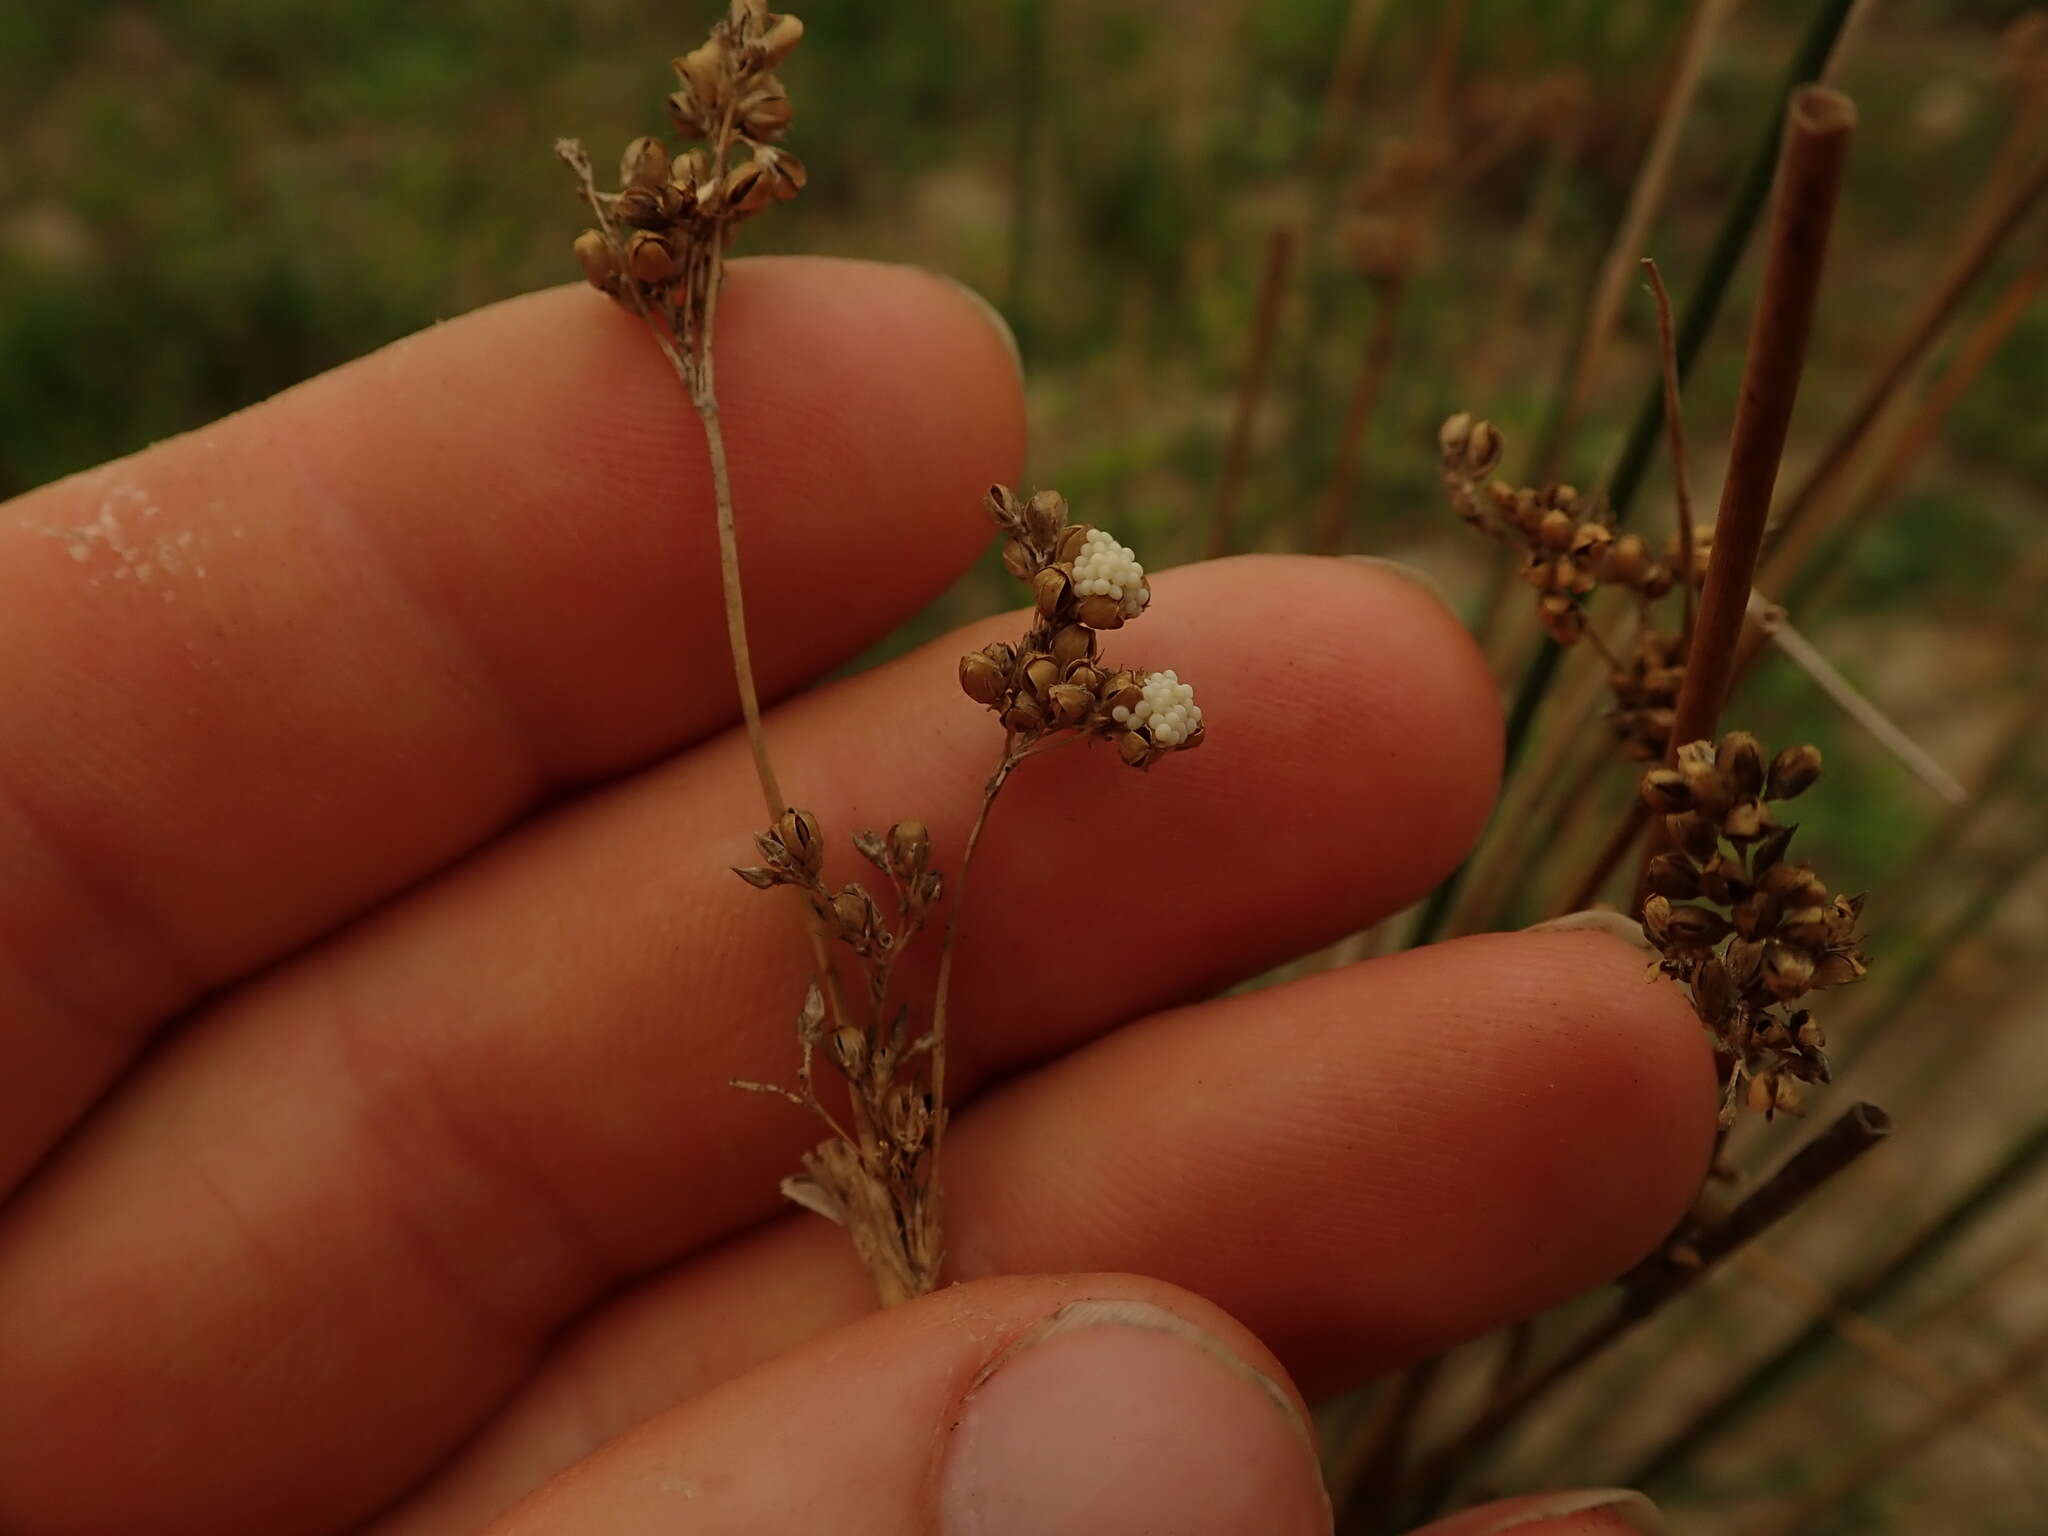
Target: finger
point(1576, 1512)
point(1088, 1405)
point(261, 676)
point(457, 1127)
point(1366, 1168)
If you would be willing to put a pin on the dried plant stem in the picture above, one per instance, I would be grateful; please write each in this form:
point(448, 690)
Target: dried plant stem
point(1980, 246)
point(1014, 753)
point(1347, 73)
point(1812, 556)
point(1880, 1345)
point(1655, 1284)
point(1766, 1380)
point(1645, 196)
point(1888, 1455)
point(1252, 388)
point(1674, 424)
point(1852, 702)
point(1819, 126)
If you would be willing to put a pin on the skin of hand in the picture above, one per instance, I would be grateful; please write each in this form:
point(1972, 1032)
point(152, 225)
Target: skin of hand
point(371, 975)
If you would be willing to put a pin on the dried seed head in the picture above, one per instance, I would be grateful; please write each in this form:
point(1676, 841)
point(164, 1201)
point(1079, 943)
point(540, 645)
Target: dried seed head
point(1070, 704)
point(1073, 643)
point(1740, 762)
point(1045, 517)
point(1049, 589)
point(764, 111)
point(600, 263)
point(850, 1049)
point(1452, 438)
point(779, 41)
point(1694, 835)
point(910, 845)
point(641, 208)
point(1627, 559)
point(1665, 790)
point(982, 680)
point(799, 835)
point(1675, 876)
point(650, 257)
point(1025, 717)
point(644, 164)
point(1018, 560)
point(1556, 530)
point(783, 172)
point(1132, 748)
point(1793, 772)
point(1788, 972)
point(1040, 673)
point(1100, 612)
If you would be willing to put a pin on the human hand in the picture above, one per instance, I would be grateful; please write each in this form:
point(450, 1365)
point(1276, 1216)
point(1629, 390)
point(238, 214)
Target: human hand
point(371, 977)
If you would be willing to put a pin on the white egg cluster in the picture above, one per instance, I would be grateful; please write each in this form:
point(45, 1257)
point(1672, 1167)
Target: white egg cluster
point(1166, 709)
point(1105, 568)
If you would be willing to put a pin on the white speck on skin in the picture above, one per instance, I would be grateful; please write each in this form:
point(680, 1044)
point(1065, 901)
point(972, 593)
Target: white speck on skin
point(105, 541)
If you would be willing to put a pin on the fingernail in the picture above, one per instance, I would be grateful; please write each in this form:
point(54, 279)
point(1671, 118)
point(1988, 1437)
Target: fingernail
point(1631, 1510)
point(1413, 573)
point(995, 319)
point(1596, 920)
point(1112, 1417)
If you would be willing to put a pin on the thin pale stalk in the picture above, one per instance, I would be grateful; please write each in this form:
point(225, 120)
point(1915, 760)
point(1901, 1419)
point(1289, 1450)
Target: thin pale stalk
point(1646, 195)
point(943, 989)
point(1846, 697)
point(1251, 389)
point(1887, 1456)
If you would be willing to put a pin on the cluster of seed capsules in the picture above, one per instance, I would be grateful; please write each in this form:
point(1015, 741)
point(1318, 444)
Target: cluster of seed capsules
point(1568, 547)
point(727, 94)
point(1747, 931)
point(1082, 582)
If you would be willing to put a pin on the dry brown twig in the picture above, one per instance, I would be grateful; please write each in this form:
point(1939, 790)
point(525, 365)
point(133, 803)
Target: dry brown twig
point(659, 249)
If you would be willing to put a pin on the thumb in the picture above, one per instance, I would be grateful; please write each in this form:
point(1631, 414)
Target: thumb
point(1091, 1406)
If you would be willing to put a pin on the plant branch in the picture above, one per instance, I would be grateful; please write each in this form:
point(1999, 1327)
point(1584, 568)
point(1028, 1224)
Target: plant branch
point(1251, 389)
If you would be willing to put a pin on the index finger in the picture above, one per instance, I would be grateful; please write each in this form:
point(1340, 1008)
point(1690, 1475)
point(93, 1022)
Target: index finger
point(262, 676)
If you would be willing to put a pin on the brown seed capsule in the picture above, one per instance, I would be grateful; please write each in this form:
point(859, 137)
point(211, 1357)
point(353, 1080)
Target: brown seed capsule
point(764, 112)
point(1001, 502)
point(707, 71)
point(1134, 749)
point(600, 265)
point(1807, 1031)
point(1627, 559)
point(781, 38)
point(849, 1049)
point(1002, 653)
point(1024, 717)
point(1696, 927)
point(1672, 875)
point(1100, 612)
point(784, 173)
point(1539, 572)
point(1018, 560)
point(1655, 582)
point(639, 207)
point(644, 164)
point(1761, 1094)
point(1745, 961)
point(746, 189)
point(1193, 739)
point(649, 257)
point(1083, 676)
point(1073, 643)
point(1483, 449)
point(1694, 835)
point(1665, 790)
point(1049, 589)
point(1121, 691)
point(1740, 761)
point(1045, 515)
point(1556, 530)
point(688, 168)
point(1453, 436)
point(1805, 926)
point(910, 844)
point(982, 680)
point(1561, 618)
point(1040, 673)
point(1839, 969)
point(851, 913)
point(1712, 990)
point(1793, 772)
point(798, 833)
point(1563, 497)
point(1590, 544)
point(1070, 704)
point(1756, 916)
point(1072, 537)
point(1657, 919)
point(1745, 821)
point(1788, 972)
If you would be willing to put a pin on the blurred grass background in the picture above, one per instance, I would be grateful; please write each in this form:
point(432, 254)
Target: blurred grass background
point(205, 201)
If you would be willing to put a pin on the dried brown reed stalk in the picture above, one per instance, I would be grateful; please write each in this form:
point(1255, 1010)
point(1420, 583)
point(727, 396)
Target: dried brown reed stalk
point(1646, 196)
point(1347, 74)
point(1808, 558)
point(1280, 247)
point(1385, 239)
point(1887, 1456)
point(659, 249)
